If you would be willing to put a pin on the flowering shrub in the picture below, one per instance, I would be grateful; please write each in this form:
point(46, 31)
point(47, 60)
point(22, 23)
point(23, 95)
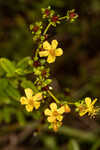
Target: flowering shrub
point(39, 91)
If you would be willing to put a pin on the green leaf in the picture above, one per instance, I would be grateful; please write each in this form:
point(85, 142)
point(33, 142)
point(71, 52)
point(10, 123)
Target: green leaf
point(29, 84)
point(1, 71)
point(21, 71)
point(3, 96)
point(23, 63)
point(21, 118)
point(24, 66)
point(7, 89)
point(13, 92)
point(14, 83)
point(3, 83)
point(7, 66)
point(7, 115)
point(73, 145)
point(50, 142)
point(46, 82)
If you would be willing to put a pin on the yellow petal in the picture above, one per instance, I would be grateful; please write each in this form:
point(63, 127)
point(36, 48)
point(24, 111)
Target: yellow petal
point(88, 101)
point(29, 108)
point(51, 59)
point(59, 52)
point(23, 100)
point(36, 105)
point(59, 118)
point(94, 101)
point(28, 92)
point(61, 110)
point(82, 113)
point(43, 53)
point(47, 112)
point(55, 127)
point(38, 96)
point(53, 107)
point(46, 45)
point(54, 44)
point(67, 108)
point(51, 119)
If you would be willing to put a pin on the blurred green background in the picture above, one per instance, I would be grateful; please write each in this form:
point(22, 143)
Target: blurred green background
point(76, 73)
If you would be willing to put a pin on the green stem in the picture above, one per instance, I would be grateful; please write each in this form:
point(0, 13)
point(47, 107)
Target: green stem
point(48, 26)
point(37, 51)
point(51, 94)
point(62, 18)
point(70, 103)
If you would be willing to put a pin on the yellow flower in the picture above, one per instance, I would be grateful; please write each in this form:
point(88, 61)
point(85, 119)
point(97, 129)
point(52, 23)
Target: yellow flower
point(54, 114)
point(31, 101)
point(51, 51)
point(88, 107)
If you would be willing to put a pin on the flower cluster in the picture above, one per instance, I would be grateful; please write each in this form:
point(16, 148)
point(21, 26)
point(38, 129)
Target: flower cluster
point(31, 101)
point(52, 17)
point(46, 54)
point(55, 115)
point(71, 15)
point(36, 30)
point(87, 106)
point(47, 12)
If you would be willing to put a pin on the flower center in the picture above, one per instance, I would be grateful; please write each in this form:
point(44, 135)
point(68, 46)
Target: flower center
point(52, 52)
point(55, 113)
point(31, 102)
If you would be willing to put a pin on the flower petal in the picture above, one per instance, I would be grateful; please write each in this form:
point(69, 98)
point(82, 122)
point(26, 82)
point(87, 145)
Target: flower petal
point(38, 96)
point(55, 127)
point(94, 101)
point(47, 112)
point(59, 52)
point(46, 45)
point(54, 44)
point(23, 100)
point(61, 110)
point(43, 53)
point(67, 108)
point(59, 118)
point(53, 107)
point(36, 105)
point(29, 108)
point(51, 119)
point(28, 92)
point(51, 59)
point(88, 101)
point(82, 113)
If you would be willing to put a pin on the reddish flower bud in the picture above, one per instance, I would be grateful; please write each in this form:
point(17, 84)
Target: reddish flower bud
point(44, 73)
point(47, 12)
point(54, 19)
point(35, 28)
point(46, 88)
point(72, 15)
point(36, 63)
